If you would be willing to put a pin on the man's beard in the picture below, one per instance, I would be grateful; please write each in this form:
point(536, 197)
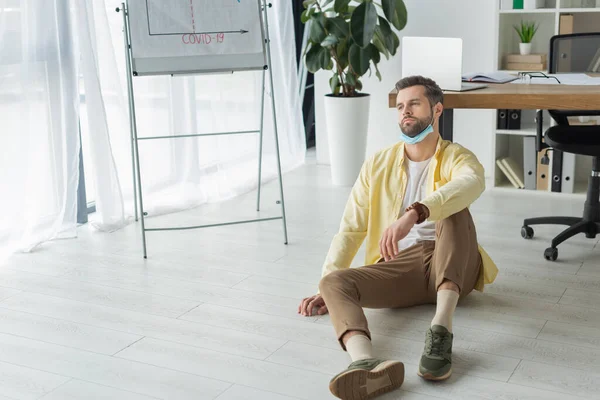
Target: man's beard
point(417, 127)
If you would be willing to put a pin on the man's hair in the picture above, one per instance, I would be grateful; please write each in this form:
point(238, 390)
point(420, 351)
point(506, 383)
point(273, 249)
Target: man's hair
point(432, 91)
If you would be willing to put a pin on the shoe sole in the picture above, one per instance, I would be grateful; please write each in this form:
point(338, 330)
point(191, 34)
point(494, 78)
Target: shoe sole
point(430, 377)
point(360, 384)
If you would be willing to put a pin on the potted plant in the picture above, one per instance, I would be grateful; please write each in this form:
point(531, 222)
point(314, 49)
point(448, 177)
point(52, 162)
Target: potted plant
point(348, 38)
point(526, 31)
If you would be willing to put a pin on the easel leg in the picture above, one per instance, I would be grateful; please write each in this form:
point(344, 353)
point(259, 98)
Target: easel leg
point(131, 123)
point(260, 145)
point(136, 153)
point(275, 121)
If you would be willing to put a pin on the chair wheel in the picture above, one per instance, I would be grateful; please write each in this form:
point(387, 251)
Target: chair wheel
point(526, 232)
point(551, 254)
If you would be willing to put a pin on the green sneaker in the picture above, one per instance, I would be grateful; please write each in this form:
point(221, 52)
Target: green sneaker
point(436, 361)
point(366, 379)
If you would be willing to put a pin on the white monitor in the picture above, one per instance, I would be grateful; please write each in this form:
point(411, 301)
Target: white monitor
point(437, 58)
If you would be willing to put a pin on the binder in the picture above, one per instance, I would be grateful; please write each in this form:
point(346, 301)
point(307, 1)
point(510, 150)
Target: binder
point(529, 162)
point(557, 165)
point(514, 119)
point(542, 176)
point(568, 173)
point(502, 119)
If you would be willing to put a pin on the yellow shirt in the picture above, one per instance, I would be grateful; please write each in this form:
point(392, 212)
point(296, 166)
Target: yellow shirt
point(455, 179)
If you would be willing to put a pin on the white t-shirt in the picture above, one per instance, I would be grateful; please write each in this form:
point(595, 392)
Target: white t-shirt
point(416, 189)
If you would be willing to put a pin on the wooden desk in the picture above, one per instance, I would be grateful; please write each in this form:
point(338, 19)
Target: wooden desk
point(515, 96)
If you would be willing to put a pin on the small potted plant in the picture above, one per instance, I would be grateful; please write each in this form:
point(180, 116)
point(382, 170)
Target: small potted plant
point(526, 31)
point(348, 39)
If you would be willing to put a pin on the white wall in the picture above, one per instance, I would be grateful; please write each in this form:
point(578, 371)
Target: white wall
point(446, 18)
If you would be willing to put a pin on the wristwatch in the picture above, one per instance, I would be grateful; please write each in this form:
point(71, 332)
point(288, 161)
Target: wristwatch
point(421, 209)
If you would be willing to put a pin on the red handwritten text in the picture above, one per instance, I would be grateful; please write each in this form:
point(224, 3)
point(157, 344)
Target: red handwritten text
point(202, 38)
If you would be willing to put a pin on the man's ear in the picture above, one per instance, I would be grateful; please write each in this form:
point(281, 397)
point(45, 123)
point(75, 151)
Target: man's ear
point(439, 108)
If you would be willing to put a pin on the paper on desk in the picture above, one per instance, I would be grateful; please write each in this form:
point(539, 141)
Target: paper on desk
point(565, 79)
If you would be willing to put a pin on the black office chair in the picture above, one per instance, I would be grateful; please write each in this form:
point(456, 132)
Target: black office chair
point(572, 53)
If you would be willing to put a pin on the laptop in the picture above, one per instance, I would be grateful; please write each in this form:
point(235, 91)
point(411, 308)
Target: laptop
point(437, 58)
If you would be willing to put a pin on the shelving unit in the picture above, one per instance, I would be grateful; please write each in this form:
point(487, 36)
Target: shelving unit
point(583, 16)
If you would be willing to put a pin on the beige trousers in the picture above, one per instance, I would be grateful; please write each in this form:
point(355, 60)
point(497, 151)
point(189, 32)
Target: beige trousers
point(412, 278)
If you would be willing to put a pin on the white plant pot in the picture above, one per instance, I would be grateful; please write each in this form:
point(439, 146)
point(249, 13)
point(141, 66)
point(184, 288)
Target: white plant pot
point(347, 125)
point(525, 48)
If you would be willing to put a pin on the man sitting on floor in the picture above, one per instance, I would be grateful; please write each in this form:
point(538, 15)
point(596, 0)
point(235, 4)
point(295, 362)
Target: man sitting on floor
point(410, 202)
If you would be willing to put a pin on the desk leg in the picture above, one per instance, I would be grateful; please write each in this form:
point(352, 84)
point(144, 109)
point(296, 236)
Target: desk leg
point(446, 122)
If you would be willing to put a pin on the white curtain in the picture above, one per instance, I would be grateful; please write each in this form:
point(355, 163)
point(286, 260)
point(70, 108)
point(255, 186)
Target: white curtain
point(62, 68)
point(181, 173)
point(39, 134)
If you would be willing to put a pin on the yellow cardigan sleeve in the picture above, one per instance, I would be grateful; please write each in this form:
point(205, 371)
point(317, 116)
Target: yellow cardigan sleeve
point(465, 184)
point(353, 226)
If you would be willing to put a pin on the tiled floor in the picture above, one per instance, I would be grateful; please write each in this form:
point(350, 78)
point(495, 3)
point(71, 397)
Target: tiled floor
point(212, 313)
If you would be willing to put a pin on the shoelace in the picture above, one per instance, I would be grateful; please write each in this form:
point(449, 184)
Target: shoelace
point(435, 344)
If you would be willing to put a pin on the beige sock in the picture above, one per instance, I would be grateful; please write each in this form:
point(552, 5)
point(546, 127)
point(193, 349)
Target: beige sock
point(446, 304)
point(359, 347)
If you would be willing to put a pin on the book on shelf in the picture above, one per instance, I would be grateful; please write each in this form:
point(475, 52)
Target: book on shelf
point(490, 77)
point(525, 58)
point(512, 171)
point(525, 62)
point(525, 67)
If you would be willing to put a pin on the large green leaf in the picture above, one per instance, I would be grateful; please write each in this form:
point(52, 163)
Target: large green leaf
point(305, 16)
point(317, 28)
point(380, 46)
point(385, 27)
point(363, 23)
point(350, 80)
point(359, 59)
point(373, 53)
point(325, 56)
point(389, 8)
point(342, 54)
point(330, 40)
point(387, 34)
point(377, 73)
point(395, 12)
point(316, 58)
point(396, 43)
point(338, 27)
point(334, 83)
point(340, 5)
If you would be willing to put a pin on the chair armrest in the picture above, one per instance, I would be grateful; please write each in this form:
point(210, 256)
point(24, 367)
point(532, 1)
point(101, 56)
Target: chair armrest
point(581, 139)
point(575, 130)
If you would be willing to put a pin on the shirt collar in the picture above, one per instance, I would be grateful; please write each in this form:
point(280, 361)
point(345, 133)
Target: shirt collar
point(401, 150)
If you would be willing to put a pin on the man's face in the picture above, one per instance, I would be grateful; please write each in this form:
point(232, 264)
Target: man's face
point(414, 111)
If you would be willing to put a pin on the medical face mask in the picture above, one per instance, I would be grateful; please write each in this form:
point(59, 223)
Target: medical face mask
point(417, 138)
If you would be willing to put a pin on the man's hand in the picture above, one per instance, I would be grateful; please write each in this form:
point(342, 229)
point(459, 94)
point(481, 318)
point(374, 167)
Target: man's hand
point(307, 304)
point(388, 245)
